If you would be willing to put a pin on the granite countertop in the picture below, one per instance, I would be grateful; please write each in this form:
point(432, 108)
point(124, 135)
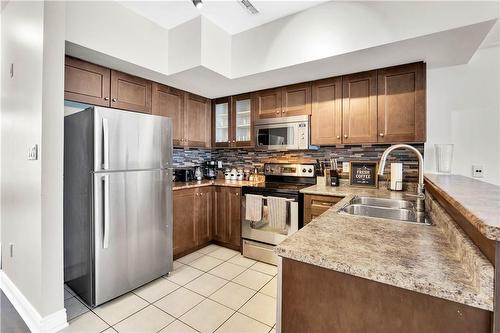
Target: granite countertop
point(207, 182)
point(476, 200)
point(414, 257)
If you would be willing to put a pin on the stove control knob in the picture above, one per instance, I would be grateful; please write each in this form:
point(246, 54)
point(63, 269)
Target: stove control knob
point(310, 170)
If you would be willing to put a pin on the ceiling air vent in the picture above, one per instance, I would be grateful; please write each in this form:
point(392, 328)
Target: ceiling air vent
point(248, 5)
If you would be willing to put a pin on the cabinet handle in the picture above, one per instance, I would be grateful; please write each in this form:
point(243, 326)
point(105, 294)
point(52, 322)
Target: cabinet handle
point(283, 111)
point(234, 141)
point(277, 111)
point(338, 136)
point(381, 134)
point(345, 136)
point(237, 194)
point(106, 98)
point(113, 99)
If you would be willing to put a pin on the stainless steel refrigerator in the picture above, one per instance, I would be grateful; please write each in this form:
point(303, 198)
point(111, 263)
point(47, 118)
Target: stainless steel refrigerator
point(117, 201)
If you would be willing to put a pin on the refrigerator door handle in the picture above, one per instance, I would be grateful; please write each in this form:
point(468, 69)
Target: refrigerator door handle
point(105, 242)
point(105, 136)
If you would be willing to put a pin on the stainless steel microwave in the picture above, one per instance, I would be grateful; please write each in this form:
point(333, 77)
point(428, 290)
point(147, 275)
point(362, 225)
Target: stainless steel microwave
point(285, 133)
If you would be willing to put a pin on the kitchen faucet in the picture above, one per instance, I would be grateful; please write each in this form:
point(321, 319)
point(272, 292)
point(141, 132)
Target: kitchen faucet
point(420, 189)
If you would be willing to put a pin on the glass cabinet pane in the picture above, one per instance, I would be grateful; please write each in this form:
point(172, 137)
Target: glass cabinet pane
point(222, 122)
point(243, 120)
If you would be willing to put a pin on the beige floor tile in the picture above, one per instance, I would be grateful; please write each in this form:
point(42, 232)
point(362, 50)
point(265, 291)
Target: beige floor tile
point(273, 330)
point(148, 320)
point(109, 330)
point(88, 323)
point(155, 290)
point(67, 294)
point(242, 324)
point(270, 289)
point(209, 248)
point(206, 284)
point(232, 295)
point(242, 261)
point(120, 308)
point(178, 327)
point(223, 253)
point(197, 317)
point(74, 308)
point(227, 270)
point(179, 302)
point(252, 279)
point(265, 268)
point(262, 308)
point(206, 263)
point(190, 257)
point(177, 265)
point(183, 275)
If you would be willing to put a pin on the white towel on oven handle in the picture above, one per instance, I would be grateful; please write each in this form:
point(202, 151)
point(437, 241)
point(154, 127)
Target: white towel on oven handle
point(253, 207)
point(277, 212)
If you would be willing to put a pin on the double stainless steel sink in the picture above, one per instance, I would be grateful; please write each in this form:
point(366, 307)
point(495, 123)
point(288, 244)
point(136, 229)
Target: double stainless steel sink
point(392, 209)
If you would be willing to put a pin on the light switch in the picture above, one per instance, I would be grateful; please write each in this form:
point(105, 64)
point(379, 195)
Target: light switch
point(33, 153)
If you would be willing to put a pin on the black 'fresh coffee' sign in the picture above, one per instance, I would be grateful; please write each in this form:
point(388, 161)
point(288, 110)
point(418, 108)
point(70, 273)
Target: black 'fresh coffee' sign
point(363, 174)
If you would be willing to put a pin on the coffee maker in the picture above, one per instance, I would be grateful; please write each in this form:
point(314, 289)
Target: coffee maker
point(210, 169)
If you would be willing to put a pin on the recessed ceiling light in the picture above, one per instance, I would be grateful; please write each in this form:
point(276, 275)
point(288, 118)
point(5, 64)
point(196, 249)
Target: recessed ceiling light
point(248, 5)
point(197, 3)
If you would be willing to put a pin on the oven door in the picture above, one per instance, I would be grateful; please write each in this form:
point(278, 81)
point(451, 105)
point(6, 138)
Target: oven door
point(261, 232)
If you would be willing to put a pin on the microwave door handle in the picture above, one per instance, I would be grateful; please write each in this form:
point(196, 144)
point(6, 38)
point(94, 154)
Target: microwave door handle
point(105, 237)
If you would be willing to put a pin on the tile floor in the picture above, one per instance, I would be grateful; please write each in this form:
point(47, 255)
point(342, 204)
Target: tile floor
point(211, 290)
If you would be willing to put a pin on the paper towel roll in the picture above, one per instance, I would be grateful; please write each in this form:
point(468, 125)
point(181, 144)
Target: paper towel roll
point(396, 176)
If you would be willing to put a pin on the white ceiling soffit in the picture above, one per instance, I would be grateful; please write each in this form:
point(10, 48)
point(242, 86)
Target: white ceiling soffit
point(446, 48)
point(229, 15)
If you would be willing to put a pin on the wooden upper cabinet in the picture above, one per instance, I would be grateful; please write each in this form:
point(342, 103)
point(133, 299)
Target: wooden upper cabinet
point(242, 121)
point(401, 103)
point(86, 83)
point(296, 100)
point(197, 121)
point(169, 102)
point(268, 103)
point(130, 92)
point(326, 118)
point(359, 108)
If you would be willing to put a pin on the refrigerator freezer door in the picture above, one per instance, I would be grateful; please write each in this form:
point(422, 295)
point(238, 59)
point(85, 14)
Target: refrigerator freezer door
point(131, 141)
point(132, 230)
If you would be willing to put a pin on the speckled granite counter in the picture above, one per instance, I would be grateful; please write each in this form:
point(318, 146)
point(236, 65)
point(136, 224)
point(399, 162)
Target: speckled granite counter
point(437, 260)
point(476, 200)
point(216, 182)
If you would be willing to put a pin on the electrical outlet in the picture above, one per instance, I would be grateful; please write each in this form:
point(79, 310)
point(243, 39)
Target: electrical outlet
point(33, 153)
point(219, 164)
point(477, 171)
point(345, 167)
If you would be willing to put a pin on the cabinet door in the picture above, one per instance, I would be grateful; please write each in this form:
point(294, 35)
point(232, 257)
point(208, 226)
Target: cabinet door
point(197, 121)
point(359, 108)
point(169, 102)
point(268, 103)
point(297, 100)
point(203, 214)
point(234, 223)
point(326, 118)
point(242, 121)
point(130, 92)
point(222, 127)
point(184, 227)
point(85, 82)
point(221, 218)
point(401, 103)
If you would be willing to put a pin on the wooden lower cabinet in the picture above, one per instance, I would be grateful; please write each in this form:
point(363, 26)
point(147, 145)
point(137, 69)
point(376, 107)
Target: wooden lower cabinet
point(315, 205)
point(316, 299)
point(227, 221)
point(205, 214)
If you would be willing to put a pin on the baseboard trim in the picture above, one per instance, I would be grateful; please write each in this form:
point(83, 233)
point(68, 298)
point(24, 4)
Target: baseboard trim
point(35, 322)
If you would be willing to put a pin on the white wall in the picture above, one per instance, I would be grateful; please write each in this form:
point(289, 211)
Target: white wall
point(185, 46)
point(32, 113)
point(463, 108)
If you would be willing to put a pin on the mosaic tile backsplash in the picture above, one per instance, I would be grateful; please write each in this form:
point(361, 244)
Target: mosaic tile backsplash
point(250, 158)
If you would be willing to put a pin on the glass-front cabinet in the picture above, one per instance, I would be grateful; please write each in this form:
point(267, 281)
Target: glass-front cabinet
point(233, 121)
